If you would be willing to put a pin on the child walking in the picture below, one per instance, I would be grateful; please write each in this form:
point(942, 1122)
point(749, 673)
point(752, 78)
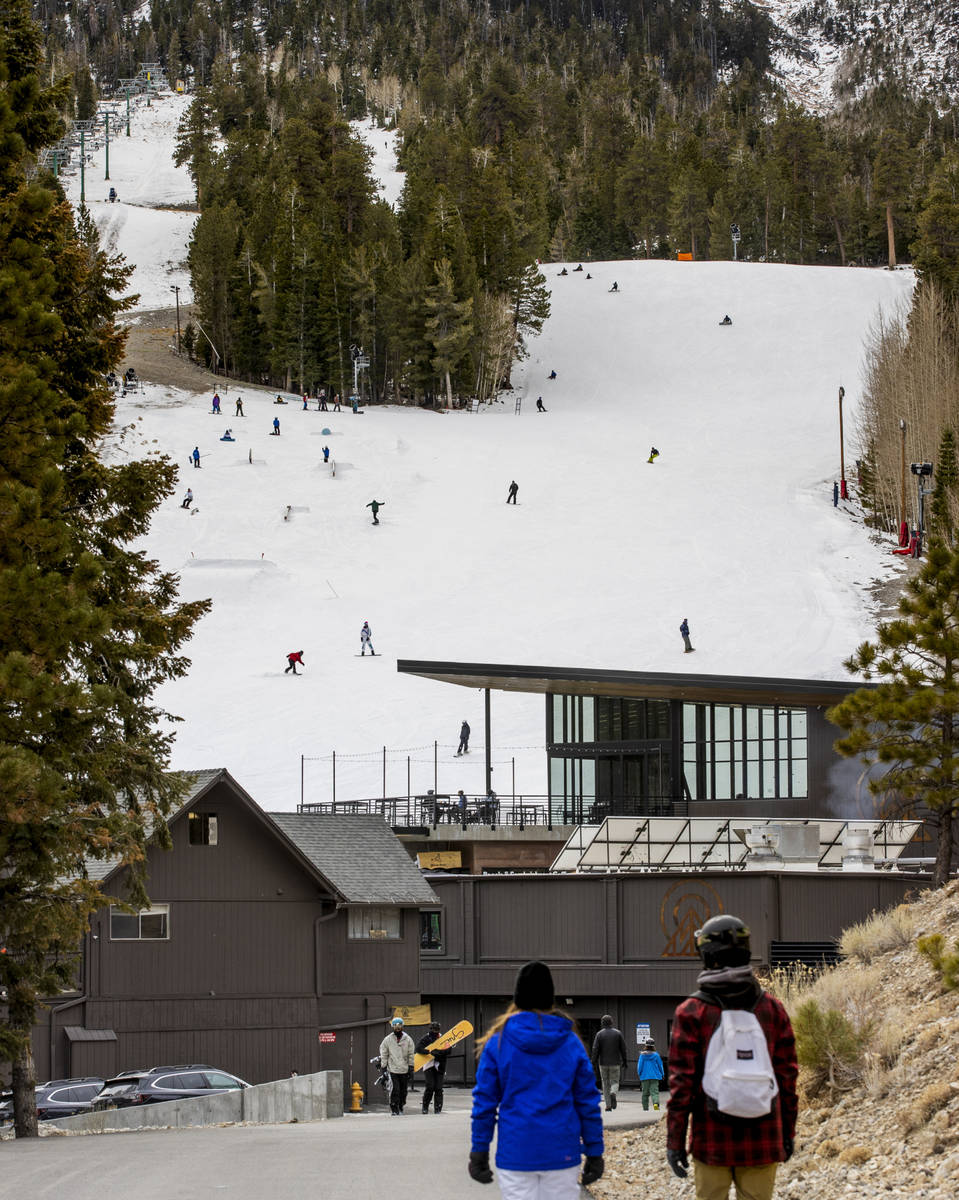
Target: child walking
point(535, 1087)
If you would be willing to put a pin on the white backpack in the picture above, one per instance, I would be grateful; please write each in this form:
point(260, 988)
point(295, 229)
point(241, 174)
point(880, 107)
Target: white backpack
point(739, 1074)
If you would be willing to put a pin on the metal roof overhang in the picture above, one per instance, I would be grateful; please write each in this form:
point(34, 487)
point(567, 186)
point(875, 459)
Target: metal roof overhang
point(648, 685)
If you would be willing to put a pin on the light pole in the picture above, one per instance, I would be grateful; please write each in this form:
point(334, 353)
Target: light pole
point(902, 484)
point(106, 125)
point(843, 491)
point(175, 288)
point(128, 111)
point(83, 155)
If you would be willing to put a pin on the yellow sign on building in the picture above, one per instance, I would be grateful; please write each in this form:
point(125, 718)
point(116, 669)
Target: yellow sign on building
point(413, 1014)
point(437, 860)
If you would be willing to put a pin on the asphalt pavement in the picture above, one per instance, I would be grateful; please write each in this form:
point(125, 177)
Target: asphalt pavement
point(366, 1156)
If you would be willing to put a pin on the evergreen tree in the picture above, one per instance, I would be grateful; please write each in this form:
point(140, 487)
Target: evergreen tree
point(946, 492)
point(936, 248)
point(449, 325)
point(89, 627)
point(908, 724)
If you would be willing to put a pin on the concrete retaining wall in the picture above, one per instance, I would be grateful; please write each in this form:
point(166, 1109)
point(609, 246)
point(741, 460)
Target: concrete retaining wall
point(302, 1098)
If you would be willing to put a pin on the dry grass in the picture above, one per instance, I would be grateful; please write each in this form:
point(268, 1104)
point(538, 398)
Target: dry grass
point(878, 934)
point(930, 1100)
point(856, 1155)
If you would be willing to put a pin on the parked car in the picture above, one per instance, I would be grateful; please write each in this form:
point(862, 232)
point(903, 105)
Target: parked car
point(58, 1098)
point(165, 1083)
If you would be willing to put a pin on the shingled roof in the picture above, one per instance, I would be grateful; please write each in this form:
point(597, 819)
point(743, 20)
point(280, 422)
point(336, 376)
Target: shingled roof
point(359, 855)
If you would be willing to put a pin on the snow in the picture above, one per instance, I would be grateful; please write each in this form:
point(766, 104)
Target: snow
point(382, 144)
point(733, 527)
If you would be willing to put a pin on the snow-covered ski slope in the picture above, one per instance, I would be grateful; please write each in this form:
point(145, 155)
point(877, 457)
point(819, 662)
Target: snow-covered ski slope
point(733, 526)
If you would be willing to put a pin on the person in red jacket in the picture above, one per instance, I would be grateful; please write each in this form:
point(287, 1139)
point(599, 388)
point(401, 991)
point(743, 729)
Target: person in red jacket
point(728, 1150)
point(294, 657)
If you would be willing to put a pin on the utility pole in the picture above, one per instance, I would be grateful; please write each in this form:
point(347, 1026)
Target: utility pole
point(902, 477)
point(842, 456)
point(106, 125)
point(128, 111)
point(175, 288)
point(83, 196)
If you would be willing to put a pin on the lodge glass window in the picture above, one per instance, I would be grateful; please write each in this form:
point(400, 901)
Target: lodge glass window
point(747, 752)
point(431, 931)
point(589, 719)
point(370, 923)
point(150, 924)
point(203, 829)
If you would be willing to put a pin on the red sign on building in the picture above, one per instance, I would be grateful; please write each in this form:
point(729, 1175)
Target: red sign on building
point(326, 1037)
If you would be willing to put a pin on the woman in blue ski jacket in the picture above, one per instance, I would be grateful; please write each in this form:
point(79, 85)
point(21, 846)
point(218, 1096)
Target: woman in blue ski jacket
point(535, 1079)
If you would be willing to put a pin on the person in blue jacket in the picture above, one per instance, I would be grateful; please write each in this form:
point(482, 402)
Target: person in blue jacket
point(650, 1071)
point(535, 1079)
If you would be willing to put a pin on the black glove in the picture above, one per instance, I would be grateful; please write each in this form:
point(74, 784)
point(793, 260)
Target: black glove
point(593, 1169)
point(787, 1147)
point(678, 1162)
point(479, 1166)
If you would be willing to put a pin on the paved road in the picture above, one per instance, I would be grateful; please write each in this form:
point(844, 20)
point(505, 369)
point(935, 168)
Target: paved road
point(363, 1157)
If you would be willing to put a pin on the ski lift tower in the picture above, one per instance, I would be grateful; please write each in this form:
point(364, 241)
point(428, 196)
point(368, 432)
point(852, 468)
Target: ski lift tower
point(361, 362)
point(735, 235)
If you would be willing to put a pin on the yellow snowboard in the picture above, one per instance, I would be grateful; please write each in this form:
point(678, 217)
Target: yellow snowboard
point(444, 1042)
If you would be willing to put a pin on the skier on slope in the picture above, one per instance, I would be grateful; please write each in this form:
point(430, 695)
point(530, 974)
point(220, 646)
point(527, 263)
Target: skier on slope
point(366, 639)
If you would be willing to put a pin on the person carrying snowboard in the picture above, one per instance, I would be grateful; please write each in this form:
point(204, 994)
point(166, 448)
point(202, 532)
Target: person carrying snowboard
point(653, 454)
point(464, 746)
point(725, 1148)
point(535, 1088)
point(397, 1055)
point(513, 489)
point(684, 630)
point(294, 657)
point(375, 505)
point(366, 639)
point(435, 1072)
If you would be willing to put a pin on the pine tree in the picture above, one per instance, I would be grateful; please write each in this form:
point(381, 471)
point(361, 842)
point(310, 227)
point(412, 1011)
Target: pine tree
point(908, 724)
point(89, 627)
point(944, 495)
point(449, 325)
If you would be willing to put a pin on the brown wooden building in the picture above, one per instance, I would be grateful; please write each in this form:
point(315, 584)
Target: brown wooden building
point(623, 944)
point(262, 930)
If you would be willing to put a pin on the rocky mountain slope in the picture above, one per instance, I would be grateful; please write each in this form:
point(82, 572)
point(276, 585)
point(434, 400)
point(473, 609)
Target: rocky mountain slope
point(895, 1133)
point(829, 51)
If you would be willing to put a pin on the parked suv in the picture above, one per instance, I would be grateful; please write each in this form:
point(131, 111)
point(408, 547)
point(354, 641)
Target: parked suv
point(165, 1083)
point(58, 1098)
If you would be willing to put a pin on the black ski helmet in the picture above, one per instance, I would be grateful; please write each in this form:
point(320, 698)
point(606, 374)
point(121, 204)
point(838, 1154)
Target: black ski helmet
point(723, 942)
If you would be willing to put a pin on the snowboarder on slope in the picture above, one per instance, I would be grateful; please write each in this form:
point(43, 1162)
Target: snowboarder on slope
point(375, 505)
point(539, 404)
point(276, 427)
point(464, 747)
point(615, 287)
point(727, 320)
point(366, 637)
point(684, 630)
point(326, 454)
point(188, 498)
point(513, 489)
point(551, 375)
point(653, 454)
point(216, 402)
point(239, 406)
point(294, 657)
point(196, 456)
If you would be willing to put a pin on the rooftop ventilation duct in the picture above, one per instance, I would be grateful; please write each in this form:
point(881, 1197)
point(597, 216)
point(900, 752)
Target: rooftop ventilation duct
point(858, 850)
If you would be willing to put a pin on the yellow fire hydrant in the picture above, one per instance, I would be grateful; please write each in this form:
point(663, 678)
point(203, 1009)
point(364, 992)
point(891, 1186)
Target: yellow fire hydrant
point(356, 1102)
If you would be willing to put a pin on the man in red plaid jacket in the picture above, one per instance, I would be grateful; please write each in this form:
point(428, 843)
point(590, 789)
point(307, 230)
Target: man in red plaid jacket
point(727, 1149)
